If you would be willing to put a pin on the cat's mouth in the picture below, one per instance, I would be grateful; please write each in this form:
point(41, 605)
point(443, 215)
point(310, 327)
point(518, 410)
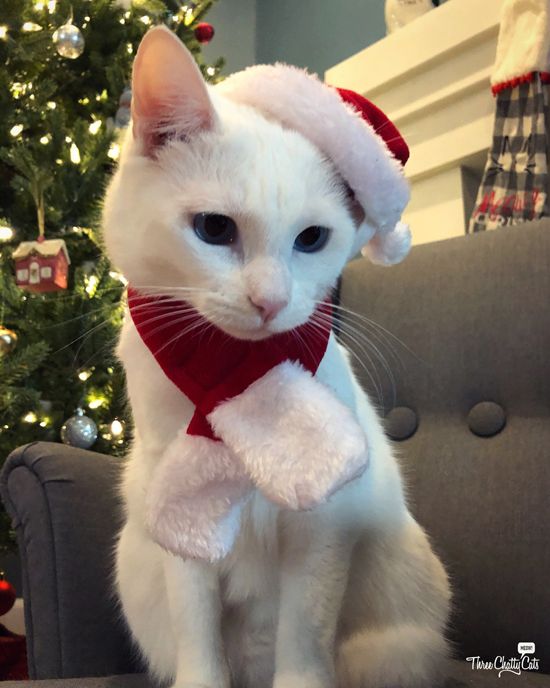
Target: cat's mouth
point(263, 331)
point(252, 328)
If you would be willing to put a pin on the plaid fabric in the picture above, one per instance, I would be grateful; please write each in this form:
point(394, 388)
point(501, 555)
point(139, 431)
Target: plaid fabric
point(515, 182)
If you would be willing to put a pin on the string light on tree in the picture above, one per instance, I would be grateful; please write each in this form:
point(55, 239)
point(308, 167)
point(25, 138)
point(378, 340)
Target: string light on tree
point(6, 233)
point(31, 26)
point(74, 154)
point(117, 428)
point(114, 151)
point(91, 285)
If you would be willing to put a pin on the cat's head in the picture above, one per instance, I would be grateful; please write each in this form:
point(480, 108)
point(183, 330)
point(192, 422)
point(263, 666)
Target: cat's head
point(217, 204)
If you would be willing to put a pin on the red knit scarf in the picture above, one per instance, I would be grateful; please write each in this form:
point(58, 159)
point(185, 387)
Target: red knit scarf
point(208, 365)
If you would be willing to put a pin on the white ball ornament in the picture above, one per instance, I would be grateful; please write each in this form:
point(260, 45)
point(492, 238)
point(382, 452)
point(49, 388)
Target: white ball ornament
point(79, 431)
point(69, 41)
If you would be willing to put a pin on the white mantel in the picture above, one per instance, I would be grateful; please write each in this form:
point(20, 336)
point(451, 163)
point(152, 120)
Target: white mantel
point(432, 79)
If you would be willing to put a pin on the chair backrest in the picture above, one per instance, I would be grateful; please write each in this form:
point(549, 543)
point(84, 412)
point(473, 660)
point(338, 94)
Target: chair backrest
point(474, 312)
point(66, 511)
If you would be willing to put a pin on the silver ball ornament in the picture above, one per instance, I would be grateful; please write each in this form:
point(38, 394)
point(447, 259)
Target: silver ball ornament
point(79, 431)
point(124, 114)
point(69, 41)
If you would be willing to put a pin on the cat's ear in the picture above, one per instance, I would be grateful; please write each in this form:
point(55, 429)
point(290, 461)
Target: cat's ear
point(169, 95)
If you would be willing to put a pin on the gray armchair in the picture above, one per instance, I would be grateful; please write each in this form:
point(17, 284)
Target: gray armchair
point(470, 409)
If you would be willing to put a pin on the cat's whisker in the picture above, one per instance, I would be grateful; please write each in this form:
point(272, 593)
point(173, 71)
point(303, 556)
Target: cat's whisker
point(381, 126)
point(195, 328)
point(54, 297)
point(376, 383)
point(103, 323)
point(108, 347)
point(360, 335)
point(374, 339)
point(372, 323)
point(79, 317)
point(168, 314)
point(360, 340)
point(303, 342)
point(166, 291)
point(344, 321)
point(181, 319)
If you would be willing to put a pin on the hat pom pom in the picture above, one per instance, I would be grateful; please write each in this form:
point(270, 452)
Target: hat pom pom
point(391, 247)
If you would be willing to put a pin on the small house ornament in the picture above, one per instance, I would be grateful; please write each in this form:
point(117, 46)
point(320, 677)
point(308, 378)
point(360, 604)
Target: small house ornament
point(42, 265)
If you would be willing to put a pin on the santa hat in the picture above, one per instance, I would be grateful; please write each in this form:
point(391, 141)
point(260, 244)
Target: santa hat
point(364, 145)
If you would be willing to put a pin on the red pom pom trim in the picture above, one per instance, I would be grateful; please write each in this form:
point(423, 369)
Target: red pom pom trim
point(517, 80)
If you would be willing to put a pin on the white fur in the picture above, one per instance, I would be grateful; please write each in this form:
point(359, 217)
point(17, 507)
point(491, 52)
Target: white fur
point(523, 40)
point(298, 443)
point(195, 498)
point(347, 594)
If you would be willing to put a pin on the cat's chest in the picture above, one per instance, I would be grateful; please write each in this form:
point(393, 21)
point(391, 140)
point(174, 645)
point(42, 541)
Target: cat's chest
point(251, 570)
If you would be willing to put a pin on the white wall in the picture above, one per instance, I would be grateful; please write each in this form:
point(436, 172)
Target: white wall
point(235, 24)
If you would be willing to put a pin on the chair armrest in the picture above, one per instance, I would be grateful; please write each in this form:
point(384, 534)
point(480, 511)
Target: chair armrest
point(66, 512)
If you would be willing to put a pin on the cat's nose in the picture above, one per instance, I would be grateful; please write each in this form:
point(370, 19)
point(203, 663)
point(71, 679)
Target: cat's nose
point(268, 307)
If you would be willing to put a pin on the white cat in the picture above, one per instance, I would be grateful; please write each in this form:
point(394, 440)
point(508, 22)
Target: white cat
point(348, 594)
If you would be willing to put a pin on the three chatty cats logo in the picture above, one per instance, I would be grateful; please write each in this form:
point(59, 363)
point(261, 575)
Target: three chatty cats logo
point(513, 665)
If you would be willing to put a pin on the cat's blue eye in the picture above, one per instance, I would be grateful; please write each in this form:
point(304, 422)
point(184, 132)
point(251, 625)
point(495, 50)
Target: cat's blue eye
point(215, 229)
point(312, 239)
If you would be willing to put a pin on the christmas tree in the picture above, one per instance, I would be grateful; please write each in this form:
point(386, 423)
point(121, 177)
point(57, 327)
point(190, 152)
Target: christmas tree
point(65, 101)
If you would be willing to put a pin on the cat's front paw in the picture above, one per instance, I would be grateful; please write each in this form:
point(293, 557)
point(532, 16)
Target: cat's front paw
point(195, 498)
point(298, 443)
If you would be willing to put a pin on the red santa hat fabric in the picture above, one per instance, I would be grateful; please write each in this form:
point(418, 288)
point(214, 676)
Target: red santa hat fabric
point(363, 144)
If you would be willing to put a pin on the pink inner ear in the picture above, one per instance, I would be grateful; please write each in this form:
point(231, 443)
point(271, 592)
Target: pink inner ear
point(169, 95)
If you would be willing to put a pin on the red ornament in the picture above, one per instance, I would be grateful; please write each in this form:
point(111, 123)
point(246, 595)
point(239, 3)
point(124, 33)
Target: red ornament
point(41, 265)
point(7, 596)
point(204, 32)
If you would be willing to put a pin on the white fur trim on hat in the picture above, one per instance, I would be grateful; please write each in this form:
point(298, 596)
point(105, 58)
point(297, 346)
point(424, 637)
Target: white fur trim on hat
point(390, 248)
point(300, 101)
